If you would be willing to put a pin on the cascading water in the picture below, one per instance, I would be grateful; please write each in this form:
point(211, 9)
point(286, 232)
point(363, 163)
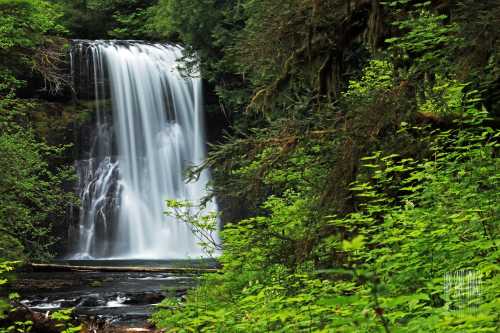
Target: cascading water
point(148, 131)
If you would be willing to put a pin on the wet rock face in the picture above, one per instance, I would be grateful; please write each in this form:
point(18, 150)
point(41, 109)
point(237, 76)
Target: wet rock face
point(92, 300)
point(95, 164)
point(94, 157)
point(99, 192)
point(149, 297)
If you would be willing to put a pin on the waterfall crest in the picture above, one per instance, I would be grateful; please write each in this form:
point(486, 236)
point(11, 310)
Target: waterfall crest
point(148, 131)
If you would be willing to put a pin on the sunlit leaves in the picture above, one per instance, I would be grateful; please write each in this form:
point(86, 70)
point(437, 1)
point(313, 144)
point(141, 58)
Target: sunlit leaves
point(418, 169)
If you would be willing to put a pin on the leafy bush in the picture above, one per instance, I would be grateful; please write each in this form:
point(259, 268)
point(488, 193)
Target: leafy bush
point(31, 195)
point(392, 273)
point(381, 253)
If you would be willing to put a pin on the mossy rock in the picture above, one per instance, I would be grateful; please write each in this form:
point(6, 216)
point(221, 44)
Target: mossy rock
point(95, 284)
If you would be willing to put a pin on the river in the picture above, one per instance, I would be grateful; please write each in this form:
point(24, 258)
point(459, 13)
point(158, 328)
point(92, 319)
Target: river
point(107, 298)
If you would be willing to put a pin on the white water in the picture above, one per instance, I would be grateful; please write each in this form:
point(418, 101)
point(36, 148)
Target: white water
point(157, 131)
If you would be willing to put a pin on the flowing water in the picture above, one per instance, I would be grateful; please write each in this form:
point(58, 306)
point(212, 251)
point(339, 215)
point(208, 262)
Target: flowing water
point(106, 298)
point(148, 131)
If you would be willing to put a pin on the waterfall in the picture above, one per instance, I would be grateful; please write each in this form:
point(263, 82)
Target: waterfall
point(148, 129)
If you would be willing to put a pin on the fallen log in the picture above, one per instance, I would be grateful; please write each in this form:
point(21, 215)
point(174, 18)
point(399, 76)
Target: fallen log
point(74, 268)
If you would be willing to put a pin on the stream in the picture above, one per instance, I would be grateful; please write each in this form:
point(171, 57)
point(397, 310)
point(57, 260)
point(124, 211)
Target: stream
point(108, 298)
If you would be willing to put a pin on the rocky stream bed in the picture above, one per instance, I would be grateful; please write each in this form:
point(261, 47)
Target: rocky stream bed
point(106, 301)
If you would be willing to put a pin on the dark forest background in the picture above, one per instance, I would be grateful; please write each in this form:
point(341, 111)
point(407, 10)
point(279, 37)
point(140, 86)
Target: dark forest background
point(353, 147)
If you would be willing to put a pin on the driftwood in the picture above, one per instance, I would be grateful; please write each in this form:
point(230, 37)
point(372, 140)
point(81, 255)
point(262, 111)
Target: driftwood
point(72, 268)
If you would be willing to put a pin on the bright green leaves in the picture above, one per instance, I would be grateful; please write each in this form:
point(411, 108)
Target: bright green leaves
point(444, 97)
point(268, 237)
point(64, 321)
point(24, 22)
point(357, 243)
point(427, 40)
point(30, 193)
point(423, 52)
point(132, 19)
point(6, 267)
point(377, 76)
point(33, 195)
point(379, 232)
point(278, 301)
point(443, 224)
point(24, 25)
point(416, 220)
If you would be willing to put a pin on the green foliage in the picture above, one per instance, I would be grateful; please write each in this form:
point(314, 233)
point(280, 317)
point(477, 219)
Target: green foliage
point(34, 196)
point(445, 219)
point(101, 19)
point(202, 223)
point(428, 40)
point(31, 194)
point(25, 22)
point(377, 75)
point(353, 211)
point(131, 24)
point(24, 25)
point(207, 29)
point(194, 20)
point(280, 302)
point(63, 318)
point(366, 179)
point(64, 321)
point(5, 268)
point(444, 98)
point(18, 327)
